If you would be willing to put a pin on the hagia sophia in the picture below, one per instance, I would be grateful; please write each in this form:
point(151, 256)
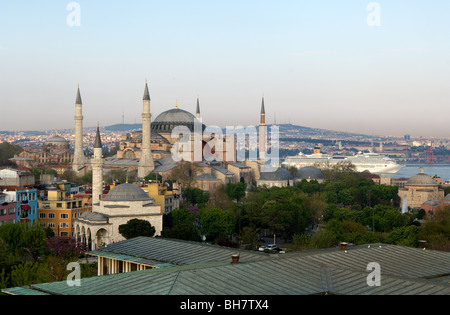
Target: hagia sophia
point(136, 155)
point(151, 151)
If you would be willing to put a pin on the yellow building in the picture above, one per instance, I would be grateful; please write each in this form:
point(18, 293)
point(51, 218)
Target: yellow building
point(163, 196)
point(59, 212)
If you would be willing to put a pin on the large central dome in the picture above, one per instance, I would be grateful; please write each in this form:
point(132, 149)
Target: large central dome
point(168, 120)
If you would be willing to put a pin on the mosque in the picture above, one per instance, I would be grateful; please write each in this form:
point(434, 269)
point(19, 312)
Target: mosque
point(151, 151)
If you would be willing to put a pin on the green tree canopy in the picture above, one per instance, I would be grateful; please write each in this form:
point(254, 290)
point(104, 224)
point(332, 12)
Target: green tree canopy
point(135, 228)
point(195, 196)
point(236, 191)
point(216, 222)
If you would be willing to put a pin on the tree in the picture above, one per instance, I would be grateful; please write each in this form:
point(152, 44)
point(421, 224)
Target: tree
point(405, 236)
point(184, 174)
point(153, 176)
point(195, 196)
point(180, 224)
point(24, 238)
point(216, 222)
point(436, 230)
point(249, 237)
point(135, 228)
point(8, 150)
point(70, 176)
point(236, 191)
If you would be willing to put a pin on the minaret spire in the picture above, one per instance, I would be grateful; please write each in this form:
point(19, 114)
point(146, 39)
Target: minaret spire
point(197, 113)
point(146, 93)
point(78, 100)
point(262, 132)
point(98, 139)
point(263, 109)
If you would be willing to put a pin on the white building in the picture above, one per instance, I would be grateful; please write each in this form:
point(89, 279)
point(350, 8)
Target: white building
point(13, 177)
point(122, 204)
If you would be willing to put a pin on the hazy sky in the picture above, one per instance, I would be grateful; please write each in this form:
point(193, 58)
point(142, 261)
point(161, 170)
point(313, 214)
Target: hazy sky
point(325, 64)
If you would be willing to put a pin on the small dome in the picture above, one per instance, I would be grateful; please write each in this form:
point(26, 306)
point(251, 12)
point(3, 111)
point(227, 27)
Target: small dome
point(309, 172)
point(280, 174)
point(127, 192)
point(421, 179)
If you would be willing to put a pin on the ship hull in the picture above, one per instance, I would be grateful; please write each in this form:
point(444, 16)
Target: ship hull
point(362, 162)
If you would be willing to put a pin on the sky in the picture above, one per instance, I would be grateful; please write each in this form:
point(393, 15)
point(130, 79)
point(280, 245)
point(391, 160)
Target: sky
point(373, 67)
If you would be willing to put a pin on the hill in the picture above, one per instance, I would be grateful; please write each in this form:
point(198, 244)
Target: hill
point(123, 127)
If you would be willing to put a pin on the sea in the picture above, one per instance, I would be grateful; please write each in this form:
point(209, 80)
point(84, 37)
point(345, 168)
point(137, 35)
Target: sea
point(440, 170)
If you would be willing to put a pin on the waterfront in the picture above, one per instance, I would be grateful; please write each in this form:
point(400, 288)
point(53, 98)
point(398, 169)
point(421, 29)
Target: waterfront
point(442, 171)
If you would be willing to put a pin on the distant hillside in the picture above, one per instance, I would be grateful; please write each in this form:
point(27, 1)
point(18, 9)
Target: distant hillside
point(124, 127)
point(308, 131)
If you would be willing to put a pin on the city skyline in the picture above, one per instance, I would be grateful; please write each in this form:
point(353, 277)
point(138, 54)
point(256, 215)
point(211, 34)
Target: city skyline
point(362, 67)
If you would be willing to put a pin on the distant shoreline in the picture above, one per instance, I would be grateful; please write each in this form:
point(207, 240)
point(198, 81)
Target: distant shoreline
point(426, 164)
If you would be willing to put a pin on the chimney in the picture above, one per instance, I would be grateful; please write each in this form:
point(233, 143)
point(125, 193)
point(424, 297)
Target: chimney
point(234, 259)
point(343, 245)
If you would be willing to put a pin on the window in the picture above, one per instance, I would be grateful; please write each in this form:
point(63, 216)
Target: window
point(59, 205)
point(42, 215)
point(64, 225)
point(64, 216)
point(12, 210)
point(51, 215)
point(51, 224)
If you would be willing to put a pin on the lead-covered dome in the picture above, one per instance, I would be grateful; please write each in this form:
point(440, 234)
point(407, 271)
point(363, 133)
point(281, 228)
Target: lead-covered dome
point(421, 179)
point(168, 120)
point(127, 192)
point(57, 142)
point(279, 174)
point(309, 173)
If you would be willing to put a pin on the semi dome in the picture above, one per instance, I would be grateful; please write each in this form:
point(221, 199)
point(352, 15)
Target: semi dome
point(127, 192)
point(421, 179)
point(309, 172)
point(168, 120)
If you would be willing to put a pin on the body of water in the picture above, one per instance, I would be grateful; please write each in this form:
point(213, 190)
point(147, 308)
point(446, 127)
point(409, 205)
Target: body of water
point(442, 171)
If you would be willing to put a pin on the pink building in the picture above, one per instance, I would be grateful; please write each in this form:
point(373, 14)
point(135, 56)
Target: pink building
point(7, 208)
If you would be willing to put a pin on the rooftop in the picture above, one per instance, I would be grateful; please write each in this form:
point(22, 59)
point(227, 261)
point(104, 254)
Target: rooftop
point(199, 269)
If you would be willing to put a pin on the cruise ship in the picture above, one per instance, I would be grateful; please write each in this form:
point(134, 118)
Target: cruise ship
point(372, 162)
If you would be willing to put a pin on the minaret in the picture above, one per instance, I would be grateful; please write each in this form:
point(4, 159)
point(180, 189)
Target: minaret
point(97, 169)
point(78, 158)
point(197, 113)
point(146, 164)
point(262, 132)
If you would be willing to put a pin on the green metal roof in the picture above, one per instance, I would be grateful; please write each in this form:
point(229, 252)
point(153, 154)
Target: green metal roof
point(176, 251)
point(404, 270)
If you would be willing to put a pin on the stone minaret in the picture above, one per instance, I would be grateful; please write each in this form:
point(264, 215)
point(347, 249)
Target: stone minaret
point(262, 132)
point(97, 169)
point(146, 164)
point(78, 158)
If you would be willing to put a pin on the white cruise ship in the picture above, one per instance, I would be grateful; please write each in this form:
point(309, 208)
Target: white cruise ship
point(372, 162)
